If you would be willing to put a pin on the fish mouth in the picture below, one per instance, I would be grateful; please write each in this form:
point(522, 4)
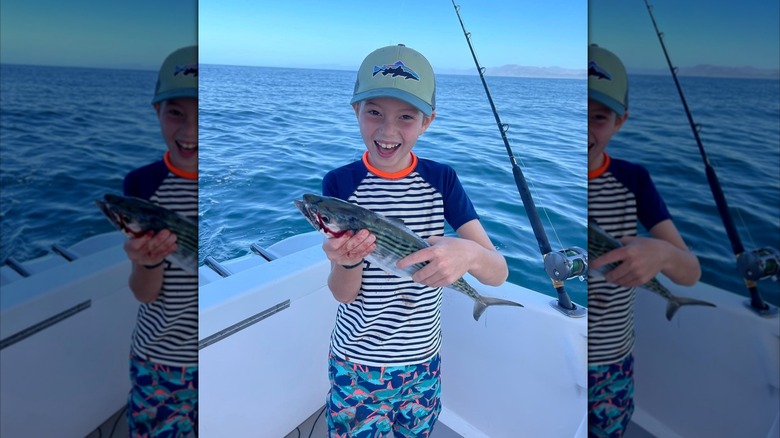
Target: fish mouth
point(305, 208)
point(385, 149)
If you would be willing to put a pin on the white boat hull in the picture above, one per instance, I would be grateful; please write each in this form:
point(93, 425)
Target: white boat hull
point(66, 378)
point(710, 372)
point(267, 378)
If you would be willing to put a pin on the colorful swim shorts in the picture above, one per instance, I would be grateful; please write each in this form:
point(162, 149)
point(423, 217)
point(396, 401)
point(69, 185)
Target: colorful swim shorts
point(610, 398)
point(366, 401)
point(163, 401)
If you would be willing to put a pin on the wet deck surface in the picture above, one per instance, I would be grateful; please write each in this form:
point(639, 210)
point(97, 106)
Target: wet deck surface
point(634, 431)
point(310, 428)
point(114, 427)
point(118, 425)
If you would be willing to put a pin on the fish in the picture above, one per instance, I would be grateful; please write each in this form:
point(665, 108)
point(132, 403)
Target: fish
point(395, 70)
point(600, 242)
point(134, 217)
point(334, 217)
point(189, 69)
point(596, 70)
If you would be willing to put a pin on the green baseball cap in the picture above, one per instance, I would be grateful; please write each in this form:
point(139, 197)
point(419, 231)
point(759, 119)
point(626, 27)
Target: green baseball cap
point(178, 76)
point(398, 72)
point(607, 79)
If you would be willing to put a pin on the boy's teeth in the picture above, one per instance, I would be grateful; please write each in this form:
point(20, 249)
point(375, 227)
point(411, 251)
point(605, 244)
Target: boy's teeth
point(188, 145)
point(387, 145)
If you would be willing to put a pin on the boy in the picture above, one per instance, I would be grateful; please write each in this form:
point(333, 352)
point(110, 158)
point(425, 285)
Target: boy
point(164, 354)
point(619, 193)
point(384, 358)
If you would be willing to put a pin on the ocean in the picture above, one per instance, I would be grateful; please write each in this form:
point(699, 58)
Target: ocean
point(740, 132)
point(67, 137)
point(268, 135)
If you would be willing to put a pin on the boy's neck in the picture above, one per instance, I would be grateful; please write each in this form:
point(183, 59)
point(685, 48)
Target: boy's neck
point(177, 171)
point(599, 167)
point(391, 175)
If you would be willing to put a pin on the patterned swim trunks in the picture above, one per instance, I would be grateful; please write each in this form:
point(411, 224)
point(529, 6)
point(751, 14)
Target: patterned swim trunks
point(163, 401)
point(366, 401)
point(610, 398)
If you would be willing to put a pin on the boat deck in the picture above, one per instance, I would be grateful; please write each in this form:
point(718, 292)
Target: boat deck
point(314, 426)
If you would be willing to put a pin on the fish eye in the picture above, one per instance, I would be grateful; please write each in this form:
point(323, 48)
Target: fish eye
point(325, 220)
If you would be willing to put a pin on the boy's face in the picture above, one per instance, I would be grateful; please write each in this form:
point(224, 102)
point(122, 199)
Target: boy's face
point(390, 128)
point(603, 123)
point(179, 126)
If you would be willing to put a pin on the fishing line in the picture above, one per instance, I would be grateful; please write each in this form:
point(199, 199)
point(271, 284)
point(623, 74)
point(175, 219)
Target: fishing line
point(544, 210)
point(752, 265)
point(559, 265)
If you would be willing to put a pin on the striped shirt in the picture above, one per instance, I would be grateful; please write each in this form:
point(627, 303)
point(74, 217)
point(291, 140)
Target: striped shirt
point(395, 321)
point(166, 330)
point(619, 194)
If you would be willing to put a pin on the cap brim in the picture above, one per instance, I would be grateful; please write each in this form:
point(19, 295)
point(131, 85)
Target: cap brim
point(611, 103)
point(176, 94)
point(395, 93)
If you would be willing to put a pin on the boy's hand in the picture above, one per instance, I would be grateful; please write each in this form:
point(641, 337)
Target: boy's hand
point(350, 248)
point(150, 250)
point(449, 258)
point(643, 258)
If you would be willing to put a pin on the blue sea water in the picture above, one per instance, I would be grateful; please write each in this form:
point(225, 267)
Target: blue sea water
point(68, 136)
point(740, 121)
point(268, 135)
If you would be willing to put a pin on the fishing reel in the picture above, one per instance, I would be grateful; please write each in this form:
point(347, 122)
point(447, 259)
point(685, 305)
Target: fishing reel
point(759, 264)
point(566, 264)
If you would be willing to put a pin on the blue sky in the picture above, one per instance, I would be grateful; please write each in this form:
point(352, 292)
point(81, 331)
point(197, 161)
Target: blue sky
point(297, 33)
point(90, 33)
point(735, 34)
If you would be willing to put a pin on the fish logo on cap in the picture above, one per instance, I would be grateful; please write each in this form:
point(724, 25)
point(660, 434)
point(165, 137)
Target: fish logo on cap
point(596, 70)
point(189, 69)
point(396, 69)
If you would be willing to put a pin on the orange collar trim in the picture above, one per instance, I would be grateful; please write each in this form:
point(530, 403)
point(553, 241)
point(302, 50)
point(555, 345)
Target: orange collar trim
point(176, 170)
point(603, 168)
point(395, 175)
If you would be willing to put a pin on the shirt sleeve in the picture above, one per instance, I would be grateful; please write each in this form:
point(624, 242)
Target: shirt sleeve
point(650, 207)
point(458, 208)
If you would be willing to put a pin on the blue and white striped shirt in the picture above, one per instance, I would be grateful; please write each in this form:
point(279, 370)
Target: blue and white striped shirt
point(166, 330)
point(619, 194)
point(394, 321)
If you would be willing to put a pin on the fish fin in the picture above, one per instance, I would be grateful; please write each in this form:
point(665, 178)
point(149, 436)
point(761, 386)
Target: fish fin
point(674, 304)
point(484, 302)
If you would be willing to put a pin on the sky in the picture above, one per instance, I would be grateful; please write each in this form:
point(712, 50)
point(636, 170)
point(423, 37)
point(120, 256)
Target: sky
point(317, 34)
point(95, 33)
point(725, 33)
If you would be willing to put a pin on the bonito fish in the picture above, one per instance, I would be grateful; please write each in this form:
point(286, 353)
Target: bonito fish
point(135, 217)
point(394, 241)
point(600, 242)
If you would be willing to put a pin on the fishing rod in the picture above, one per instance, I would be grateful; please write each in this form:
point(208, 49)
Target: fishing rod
point(753, 265)
point(559, 265)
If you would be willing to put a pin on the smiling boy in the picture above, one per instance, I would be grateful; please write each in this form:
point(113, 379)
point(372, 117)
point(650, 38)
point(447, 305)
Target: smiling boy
point(164, 354)
point(621, 193)
point(384, 360)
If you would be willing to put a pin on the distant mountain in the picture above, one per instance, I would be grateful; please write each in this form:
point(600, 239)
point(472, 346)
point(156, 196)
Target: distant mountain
point(715, 71)
point(524, 72)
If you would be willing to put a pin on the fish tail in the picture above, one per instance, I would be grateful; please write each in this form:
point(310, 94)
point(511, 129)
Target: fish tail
point(676, 302)
point(481, 304)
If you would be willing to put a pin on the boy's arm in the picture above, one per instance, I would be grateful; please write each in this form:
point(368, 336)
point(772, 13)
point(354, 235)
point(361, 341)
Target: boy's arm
point(682, 266)
point(146, 283)
point(642, 258)
point(347, 250)
point(450, 258)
